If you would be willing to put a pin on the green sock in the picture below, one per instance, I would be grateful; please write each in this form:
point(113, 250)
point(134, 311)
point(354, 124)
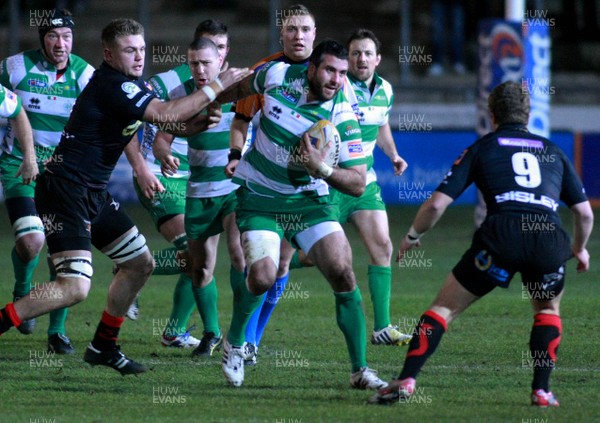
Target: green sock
point(351, 320)
point(206, 301)
point(58, 319)
point(23, 274)
point(166, 262)
point(380, 286)
point(236, 278)
point(244, 305)
point(183, 307)
point(295, 263)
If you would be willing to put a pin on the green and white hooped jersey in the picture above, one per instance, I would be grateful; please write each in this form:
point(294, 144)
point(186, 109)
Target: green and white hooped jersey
point(373, 112)
point(10, 103)
point(269, 168)
point(47, 100)
point(168, 86)
point(207, 155)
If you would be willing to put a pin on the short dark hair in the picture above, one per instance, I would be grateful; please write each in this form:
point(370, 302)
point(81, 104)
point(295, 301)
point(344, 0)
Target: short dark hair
point(297, 10)
point(202, 43)
point(120, 27)
point(211, 27)
point(364, 34)
point(330, 47)
point(509, 103)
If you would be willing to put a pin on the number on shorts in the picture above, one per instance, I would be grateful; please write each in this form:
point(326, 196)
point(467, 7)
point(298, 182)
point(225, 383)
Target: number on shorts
point(527, 170)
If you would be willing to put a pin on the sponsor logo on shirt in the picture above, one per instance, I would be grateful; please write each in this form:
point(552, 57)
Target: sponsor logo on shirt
point(275, 111)
point(527, 197)
point(350, 130)
point(34, 103)
point(355, 149)
point(141, 100)
point(520, 142)
point(37, 83)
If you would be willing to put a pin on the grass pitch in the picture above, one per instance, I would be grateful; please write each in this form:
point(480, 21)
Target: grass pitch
point(480, 372)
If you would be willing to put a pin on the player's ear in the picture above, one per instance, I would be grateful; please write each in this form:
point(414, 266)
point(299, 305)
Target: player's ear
point(107, 54)
point(311, 70)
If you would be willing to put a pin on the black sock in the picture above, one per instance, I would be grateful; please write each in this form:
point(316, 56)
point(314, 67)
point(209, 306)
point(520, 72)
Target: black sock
point(426, 337)
point(107, 332)
point(8, 318)
point(543, 346)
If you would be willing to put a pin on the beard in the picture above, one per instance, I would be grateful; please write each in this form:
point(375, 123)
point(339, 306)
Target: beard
point(317, 91)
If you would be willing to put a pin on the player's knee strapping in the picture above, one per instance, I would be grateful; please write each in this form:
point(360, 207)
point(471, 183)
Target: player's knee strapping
point(74, 267)
point(27, 225)
point(260, 244)
point(129, 248)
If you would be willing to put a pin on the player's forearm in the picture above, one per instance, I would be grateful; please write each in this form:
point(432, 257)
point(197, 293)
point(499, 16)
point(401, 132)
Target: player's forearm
point(24, 134)
point(430, 212)
point(161, 147)
point(188, 128)
point(135, 157)
point(385, 141)
point(583, 222)
point(236, 91)
point(179, 110)
point(237, 134)
point(350, 181)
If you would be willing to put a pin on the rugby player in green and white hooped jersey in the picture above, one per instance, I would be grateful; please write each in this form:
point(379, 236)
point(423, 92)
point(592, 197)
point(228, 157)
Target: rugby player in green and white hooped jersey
point(211, 200)
point(48, 80)
point(374, 98)
point(167, 208)
point(283, 178)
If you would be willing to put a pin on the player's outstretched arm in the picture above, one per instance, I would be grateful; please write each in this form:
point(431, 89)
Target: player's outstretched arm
point(29, 168)
point(184, 108)
point(427, 216)
point(583, 222)
point(238, 90)
point(385, 141)
point(350, 180)
point(195, 125)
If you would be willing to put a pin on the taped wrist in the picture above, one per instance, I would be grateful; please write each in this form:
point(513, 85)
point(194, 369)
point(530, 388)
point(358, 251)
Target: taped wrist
point(234, 154)
point(324, 171)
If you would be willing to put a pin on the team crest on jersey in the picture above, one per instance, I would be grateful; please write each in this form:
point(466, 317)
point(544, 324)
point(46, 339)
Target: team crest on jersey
point(130, 89)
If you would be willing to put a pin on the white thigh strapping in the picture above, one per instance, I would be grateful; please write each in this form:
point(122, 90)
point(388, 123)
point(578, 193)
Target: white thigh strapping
point(309, 237)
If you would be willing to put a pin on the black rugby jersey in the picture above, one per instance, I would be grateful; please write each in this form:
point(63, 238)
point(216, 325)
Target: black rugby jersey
point(105, 117)
point(516, 171)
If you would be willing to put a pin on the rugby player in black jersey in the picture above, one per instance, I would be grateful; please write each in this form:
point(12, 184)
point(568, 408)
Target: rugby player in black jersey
point(522, 177)
point(72, 199)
